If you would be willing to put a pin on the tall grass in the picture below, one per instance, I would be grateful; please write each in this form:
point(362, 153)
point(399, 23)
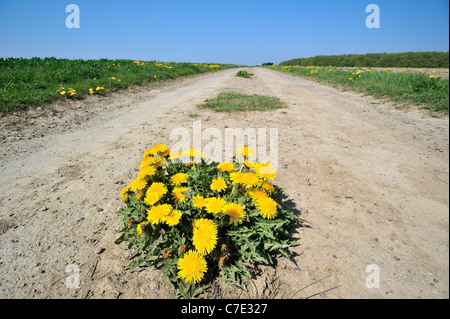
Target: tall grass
point(34, 82)
point(402, 87)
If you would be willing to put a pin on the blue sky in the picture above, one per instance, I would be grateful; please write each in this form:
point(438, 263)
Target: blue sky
point(240, 32)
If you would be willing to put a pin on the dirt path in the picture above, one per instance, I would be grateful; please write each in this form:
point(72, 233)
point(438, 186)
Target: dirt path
point(371, 180)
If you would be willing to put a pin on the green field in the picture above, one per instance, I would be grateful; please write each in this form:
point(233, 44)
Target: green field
point(428, 91)
point(38, 82)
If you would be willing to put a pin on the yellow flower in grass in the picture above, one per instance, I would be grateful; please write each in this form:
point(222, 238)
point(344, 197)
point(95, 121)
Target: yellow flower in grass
point(159, 163)
point(236, 213)
point(192, 267)
point(151, 198)
point(246, 151)
point(268, 187)
point(138, 184)
point(146, 172)
point(158, 213)
point(158, 188)
point(140, 194)
point(150, 160)
point(215, 205)
point(154, 193)
point(157, 149)
point(179, 178)
point(198, 201)
point(178, 194)
point(218, 185)
point(174, 217)
point(267, 207)
point(236, 177)
point(141, 227)
point(256, 194)
point(124, 194)
point(91, 91)
point(226, 167)
point(265, 171)
point(250, 180)
point(249, 164)
point(204, 235)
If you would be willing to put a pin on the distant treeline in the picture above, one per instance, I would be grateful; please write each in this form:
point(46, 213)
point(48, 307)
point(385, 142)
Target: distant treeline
point(402, 60)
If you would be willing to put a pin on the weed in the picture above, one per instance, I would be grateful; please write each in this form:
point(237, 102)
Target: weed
point(232, 101)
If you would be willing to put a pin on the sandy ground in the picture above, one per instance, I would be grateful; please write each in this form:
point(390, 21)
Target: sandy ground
point(371, 180)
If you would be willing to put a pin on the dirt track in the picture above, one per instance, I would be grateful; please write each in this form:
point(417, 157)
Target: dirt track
point(372, 181)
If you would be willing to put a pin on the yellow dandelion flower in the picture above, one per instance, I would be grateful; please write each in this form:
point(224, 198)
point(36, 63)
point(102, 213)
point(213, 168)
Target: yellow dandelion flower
point(157, 149)
point(198, 201)
point(192, 267)
point(215, 205)
point(256, 194)
point(174, 217)
point(268, 187)
point(140, 194)
point(151, 198)
point(141, 227)
point(236, 177)
point(265, 171)
point(226, 167)
point(246, 151)
point(158, 213)
point(137, 184)
point(178, 194)
point(249, 179)
point(146, 172)
point(267, 207)
point(154, 193)
point(159, 163)
point(204, 235)
point(150, 160)
point(164, 154)
point(218, 185)
point(158, 187)
point(249, 164)
point(124, 194)
point(236, 213)
point(179, 178)
point(91, 91)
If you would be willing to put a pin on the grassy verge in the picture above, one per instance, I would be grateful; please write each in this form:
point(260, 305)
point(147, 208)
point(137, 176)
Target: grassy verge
point(231, 101)
point(37, 82)
point(429, 92)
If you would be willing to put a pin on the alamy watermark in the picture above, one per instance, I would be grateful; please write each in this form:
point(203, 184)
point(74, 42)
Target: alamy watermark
point(373, 19)
point(73, 279)
point(220, 147)
point(73, 19)
point(373, 279)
